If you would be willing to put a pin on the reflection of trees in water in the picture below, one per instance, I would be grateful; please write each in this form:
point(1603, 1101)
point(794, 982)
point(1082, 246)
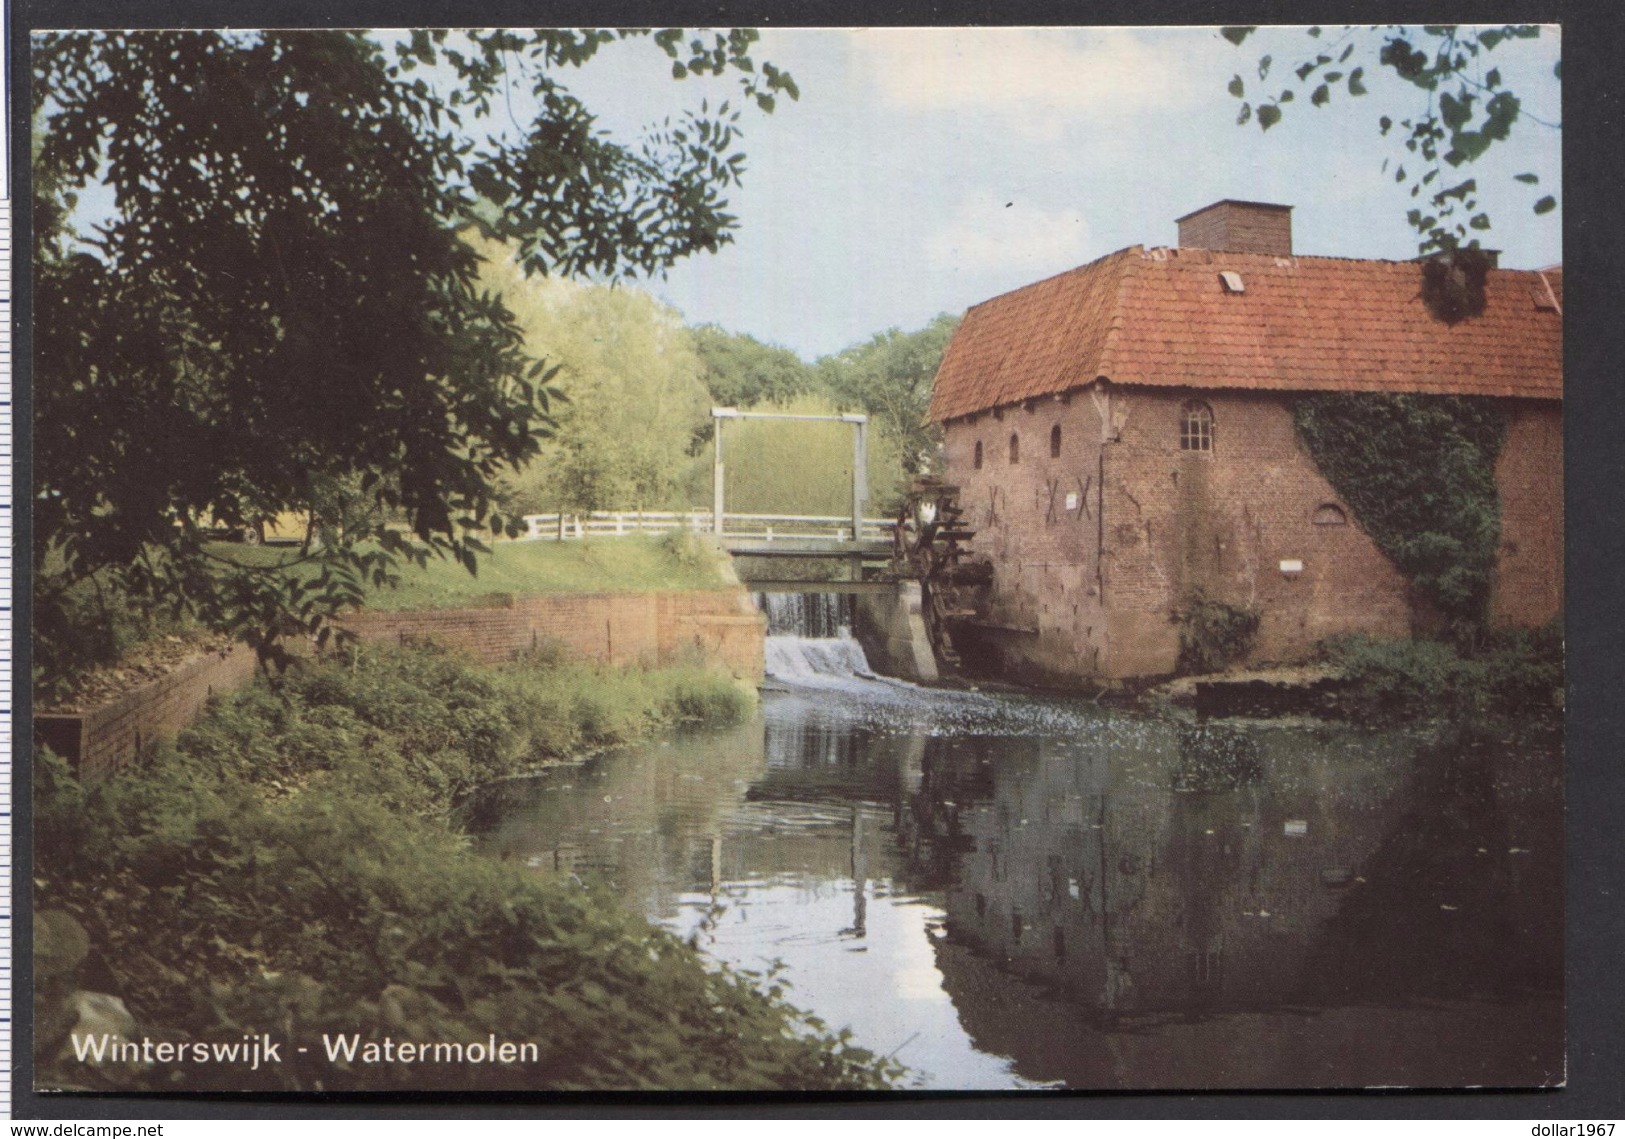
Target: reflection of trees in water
point(1463, 897)
point(1105, 888)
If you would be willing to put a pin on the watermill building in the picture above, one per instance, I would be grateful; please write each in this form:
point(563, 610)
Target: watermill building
point(1123, 438)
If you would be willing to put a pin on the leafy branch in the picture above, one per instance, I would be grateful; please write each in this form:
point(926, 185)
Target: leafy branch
point(281, 313)
point(1464, 111)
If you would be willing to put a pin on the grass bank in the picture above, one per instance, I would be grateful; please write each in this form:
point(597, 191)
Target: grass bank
point(631, 563)
point(291, 866)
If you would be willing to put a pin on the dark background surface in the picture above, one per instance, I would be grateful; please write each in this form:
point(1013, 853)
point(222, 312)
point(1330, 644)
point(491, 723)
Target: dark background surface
point(1594, 262)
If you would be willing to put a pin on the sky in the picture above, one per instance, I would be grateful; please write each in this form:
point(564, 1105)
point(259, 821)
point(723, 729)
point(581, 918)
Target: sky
point(924, 170)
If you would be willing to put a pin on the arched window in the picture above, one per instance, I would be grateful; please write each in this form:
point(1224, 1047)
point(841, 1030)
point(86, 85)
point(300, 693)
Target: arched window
point(1196, 427)
point(1330, 514)
point(1055, 441)
point(1015, 447)
point(978, 458)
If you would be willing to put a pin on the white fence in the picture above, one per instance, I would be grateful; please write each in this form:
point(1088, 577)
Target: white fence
point(753, 527)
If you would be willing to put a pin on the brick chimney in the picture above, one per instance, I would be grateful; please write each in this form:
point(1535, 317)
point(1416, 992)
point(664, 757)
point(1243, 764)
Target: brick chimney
point(1239, 227)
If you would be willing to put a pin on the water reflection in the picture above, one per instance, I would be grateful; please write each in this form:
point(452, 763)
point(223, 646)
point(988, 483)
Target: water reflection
point(1012, 892)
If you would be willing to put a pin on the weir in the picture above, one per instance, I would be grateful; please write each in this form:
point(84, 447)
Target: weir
point(837, 633)
point(809, 638)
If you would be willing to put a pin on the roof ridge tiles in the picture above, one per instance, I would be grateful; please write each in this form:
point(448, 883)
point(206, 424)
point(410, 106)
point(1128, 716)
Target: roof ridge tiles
point(1057, 276)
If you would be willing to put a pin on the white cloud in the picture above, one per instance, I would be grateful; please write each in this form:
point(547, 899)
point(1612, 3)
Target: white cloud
point(1039, 78)
point(988, 235)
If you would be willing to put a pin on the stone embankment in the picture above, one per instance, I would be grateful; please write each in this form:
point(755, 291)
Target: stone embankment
point(1254, 692)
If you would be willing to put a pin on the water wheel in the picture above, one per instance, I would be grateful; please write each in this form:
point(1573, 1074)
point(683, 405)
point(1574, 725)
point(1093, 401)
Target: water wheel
point(930, 547)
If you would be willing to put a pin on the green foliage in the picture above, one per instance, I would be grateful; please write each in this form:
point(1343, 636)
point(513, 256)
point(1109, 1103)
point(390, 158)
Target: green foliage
point(284, 869)
point(1404, 679)
point(797, 467)
point(890, 377)
point(95, 625)
point(1419, 473)
point(279, 303)
point(1462, 109)
point(628, 564)
point(741, 371)
point(633, 398)
point(700, 556)
point(1214, 635)
point(1513, 671)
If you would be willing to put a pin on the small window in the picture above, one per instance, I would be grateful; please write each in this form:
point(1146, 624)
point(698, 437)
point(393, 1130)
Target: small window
point(978, 459)
point(1055, 441)
point(1330, 514)
point(1196, 427)
point(1015, 448)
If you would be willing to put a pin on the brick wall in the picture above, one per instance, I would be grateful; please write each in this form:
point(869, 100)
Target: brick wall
point(1220, 523)
point(106, 738)
point(1529, 572)
point(1037, 520)
point(1090, 592)
point(719, 628)
point(1239, 227)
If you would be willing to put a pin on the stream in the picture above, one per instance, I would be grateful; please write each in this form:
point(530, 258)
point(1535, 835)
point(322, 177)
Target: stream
point(1006, 892)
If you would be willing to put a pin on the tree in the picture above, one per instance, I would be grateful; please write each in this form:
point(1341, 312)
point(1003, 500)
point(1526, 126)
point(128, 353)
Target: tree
point(1463, 109)
point(280, 303)
point(741, 371)
point(890, 377)
point(635, 402)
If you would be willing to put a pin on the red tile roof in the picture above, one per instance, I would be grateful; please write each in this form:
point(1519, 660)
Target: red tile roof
point(1162, 318)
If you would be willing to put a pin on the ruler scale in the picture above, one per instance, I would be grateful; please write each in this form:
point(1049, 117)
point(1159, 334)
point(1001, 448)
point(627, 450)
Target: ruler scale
point(5, 655)
point(7, 710)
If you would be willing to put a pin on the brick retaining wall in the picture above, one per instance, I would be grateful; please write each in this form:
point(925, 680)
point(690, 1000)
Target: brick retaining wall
point(719, 628)
point(106, 738)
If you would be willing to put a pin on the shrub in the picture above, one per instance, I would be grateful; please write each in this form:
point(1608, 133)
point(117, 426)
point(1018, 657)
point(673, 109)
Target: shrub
point(286, 867)
point(1514, 671)
point(1392, 679)
point(1214, 635)
point(1524, 668)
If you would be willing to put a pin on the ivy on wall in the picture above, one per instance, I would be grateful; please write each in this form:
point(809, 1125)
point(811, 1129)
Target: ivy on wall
point(1419, 473)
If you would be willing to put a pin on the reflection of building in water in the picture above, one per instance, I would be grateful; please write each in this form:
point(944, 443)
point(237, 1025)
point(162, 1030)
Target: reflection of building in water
point(1178, 878)
point(1128, 866)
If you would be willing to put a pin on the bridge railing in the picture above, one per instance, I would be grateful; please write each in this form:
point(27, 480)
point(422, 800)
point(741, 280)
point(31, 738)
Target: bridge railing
point(753, 527)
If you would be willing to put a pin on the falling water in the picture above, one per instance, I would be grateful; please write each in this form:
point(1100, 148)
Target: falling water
point(810, 615)
point(809, 637)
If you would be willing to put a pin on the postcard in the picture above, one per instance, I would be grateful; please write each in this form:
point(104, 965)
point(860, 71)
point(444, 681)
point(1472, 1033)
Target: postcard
point(797, 561)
